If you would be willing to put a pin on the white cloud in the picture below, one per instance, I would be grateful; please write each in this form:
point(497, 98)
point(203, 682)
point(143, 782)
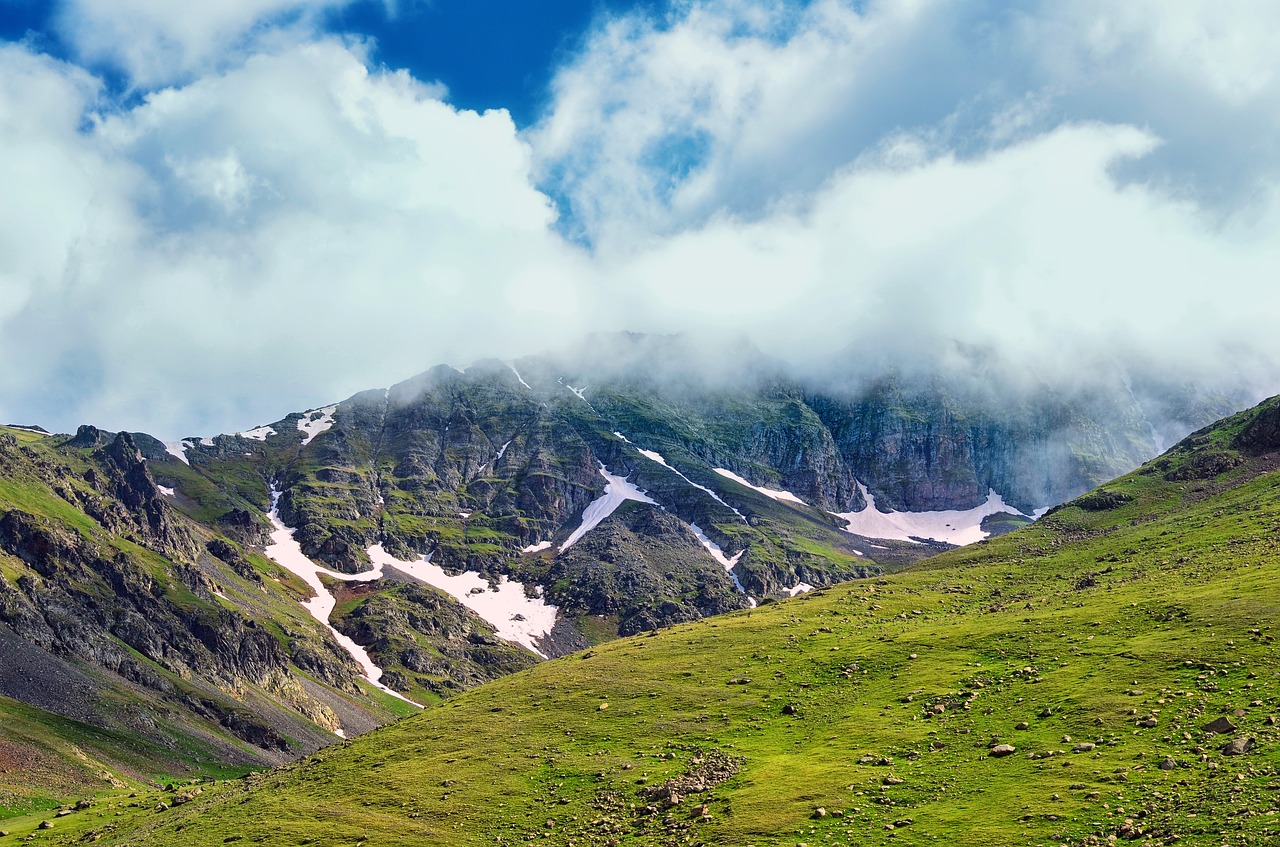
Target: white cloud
point(296, 227)
point(731, 104)
point(1032, 248)
point(160, 41)
point(287, 226)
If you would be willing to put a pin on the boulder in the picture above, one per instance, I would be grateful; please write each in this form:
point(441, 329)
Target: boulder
point(1240, 746)
point(1220, 726)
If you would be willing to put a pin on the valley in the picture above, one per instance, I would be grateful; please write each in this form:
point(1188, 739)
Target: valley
point(1108, 673)
point(684, 546)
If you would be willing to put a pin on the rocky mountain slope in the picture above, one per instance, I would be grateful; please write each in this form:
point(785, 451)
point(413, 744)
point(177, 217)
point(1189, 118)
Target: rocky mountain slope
point(1108, 674)
point(137, 642)
point(491, 470)
point(254, 594)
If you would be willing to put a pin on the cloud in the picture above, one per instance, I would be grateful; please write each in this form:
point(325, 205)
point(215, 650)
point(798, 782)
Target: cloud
point(278, 225)
point(157, 42)
point(1051, 179)
point(264, 237)
point(729, 105)
point(1032, 248)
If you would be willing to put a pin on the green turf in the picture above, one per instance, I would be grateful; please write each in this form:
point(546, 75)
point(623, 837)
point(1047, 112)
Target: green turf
point(878, 701)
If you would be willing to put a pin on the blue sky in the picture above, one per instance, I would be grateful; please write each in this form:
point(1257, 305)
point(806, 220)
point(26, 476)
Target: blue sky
point(217, 213)
point(492, 54)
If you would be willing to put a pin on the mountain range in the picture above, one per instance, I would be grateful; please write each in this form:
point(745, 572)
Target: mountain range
point(218, 604)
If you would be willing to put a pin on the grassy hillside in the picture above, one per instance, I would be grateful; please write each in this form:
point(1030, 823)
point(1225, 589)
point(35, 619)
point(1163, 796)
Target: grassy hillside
point(1098, 644)
point(136, 645)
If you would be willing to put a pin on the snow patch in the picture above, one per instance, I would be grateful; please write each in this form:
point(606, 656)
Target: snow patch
point(513, 614)
point(257, 433)
point(953, 526)
point(502, 451)
point(285, 551)
point(623, 437)
point(464, 515)
point(657, 457)
point(616, 492)
point(178, 450)
point(315, 422)
point(517, 373)
point(166, 491)
point(780, 496)
point(716, 552)
point(727, 562)
point(536, 548)
point(579, 392)
point(799, 588)
point(207, 442)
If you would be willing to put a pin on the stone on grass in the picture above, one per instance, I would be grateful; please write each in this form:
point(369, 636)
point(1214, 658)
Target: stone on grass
point(1220, 726)
point(1001, 750)
point(1240, 746)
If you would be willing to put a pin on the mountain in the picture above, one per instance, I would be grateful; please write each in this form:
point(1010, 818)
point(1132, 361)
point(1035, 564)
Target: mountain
point(1106, 674)
point(137, 641)
point(238, 601)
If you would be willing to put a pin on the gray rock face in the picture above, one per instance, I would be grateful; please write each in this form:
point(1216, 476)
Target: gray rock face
point(131, 595)
point(1240, 746)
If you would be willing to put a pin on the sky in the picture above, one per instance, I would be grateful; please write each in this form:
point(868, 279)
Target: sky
point(214, 214)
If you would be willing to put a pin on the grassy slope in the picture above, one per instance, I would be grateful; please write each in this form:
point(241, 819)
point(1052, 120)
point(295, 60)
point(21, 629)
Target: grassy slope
point(45, 757)
point(1163, 607)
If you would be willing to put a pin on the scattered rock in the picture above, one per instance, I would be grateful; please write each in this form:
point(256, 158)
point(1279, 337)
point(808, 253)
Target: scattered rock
point(602, 707)
point(1168, 764)
point(1101, 500)
point(1001, 750)
point(1046, 712)
point(893, 780)
point(1023, 726)
point(186, 797)
point(1084, 747)
point(819, 812)
point(789, 709)
point(1240, 746)
point(1221, 726)
point(1130, 831)
point(46, 824)
point(1148, 723)
point(705, 772)
point(1271, 720)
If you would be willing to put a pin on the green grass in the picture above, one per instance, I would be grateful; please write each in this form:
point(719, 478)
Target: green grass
point(1080, 627)
point(37, 499)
